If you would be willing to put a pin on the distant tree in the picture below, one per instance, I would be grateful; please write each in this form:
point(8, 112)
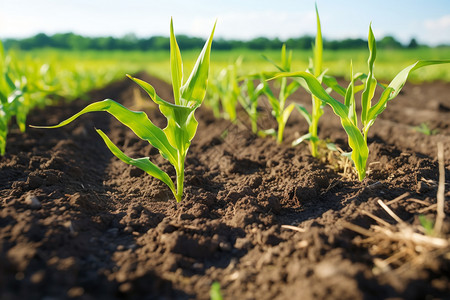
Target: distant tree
point(413, 44)
point(303, 42)
point(187, 42)
point(131, 42)
point(160, 43)
point(389, 42)
point(345, 44)
point(259, 43)
point(128, 42)
point(103, 43)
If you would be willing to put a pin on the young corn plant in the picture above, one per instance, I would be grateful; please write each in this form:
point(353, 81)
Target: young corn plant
point(316, 68)
point(173, 141)
point(225, 91)
point(317, 105)
point(248, 99)
point(14, 96)
point(279, 111)
point(346, 111)
point(23, 85)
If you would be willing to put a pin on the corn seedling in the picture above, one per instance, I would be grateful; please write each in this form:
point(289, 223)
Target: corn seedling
point(22, 87)
point(213, 97)
point(214, 292)
point(357, 137)
point(173, 141)
point(316, 68)
point(279, 111)
point(248, 98)
point(317, 105)
point(225, 91)
point(425, 129)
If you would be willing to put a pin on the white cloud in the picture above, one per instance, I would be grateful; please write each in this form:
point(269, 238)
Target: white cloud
point(442, 23)
point(247, 25)
point(437, 31)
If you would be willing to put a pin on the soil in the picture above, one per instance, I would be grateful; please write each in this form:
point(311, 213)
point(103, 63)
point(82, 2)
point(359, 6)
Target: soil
point(77, 223)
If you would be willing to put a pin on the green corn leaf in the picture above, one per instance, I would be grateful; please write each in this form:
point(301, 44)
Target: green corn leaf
point(3, 98)
point(284, 59)
point(377, 109)
point(3, 129)
point(399, 81)
point(267, 132)
point(14, 98)
point(177, 117)
point(258, 90)
point(302, 110)
point(318, 47)
point(181, 127)
point(176, 65)
point(291, 88)
point(259, 75)
point(250, 87)
point(21, 111)
point(358, 144)
point(331, 82)
point(317, 90)
point(305, 137)
point(214, 292)
point(350, 100)
point(289, 61)
point(273, 63)
point(194, 89)
point(2, 55)
point(143, 163)
point(272, 99)
point(9, 82)
point(181, 123)
point(287, 112)
point(371, 83)
point(138, 122)
point(2, 66)
point(356, 140)
point(396, 86)
point(151, 92)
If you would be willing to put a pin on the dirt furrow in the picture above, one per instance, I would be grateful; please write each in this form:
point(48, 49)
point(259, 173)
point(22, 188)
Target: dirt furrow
point(75, 222)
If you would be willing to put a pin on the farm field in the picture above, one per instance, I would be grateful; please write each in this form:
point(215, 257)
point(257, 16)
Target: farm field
point(78, 223)
point(389, 61)
point(284, 193)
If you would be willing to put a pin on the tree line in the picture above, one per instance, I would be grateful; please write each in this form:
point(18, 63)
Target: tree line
point(71, 41)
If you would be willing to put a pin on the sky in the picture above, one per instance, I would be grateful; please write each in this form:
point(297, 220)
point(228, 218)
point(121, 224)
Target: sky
point(426, 20)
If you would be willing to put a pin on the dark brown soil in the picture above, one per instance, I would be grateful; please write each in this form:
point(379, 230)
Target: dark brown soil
point(75, 222)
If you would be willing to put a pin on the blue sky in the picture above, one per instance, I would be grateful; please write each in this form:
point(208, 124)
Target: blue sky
point(426, 20)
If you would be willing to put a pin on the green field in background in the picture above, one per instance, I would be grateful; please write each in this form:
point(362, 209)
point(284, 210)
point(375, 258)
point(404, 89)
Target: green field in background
point(387, 65)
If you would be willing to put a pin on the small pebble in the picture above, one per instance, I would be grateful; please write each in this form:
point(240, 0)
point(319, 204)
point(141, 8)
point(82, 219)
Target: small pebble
point(125, 287)
point(225, 246)
point(326, 270)
point(33, 202)
point(38, 277)
point(76, 291)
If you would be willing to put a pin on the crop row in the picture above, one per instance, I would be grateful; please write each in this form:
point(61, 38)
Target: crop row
point(229, 89)
point(27, 83)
